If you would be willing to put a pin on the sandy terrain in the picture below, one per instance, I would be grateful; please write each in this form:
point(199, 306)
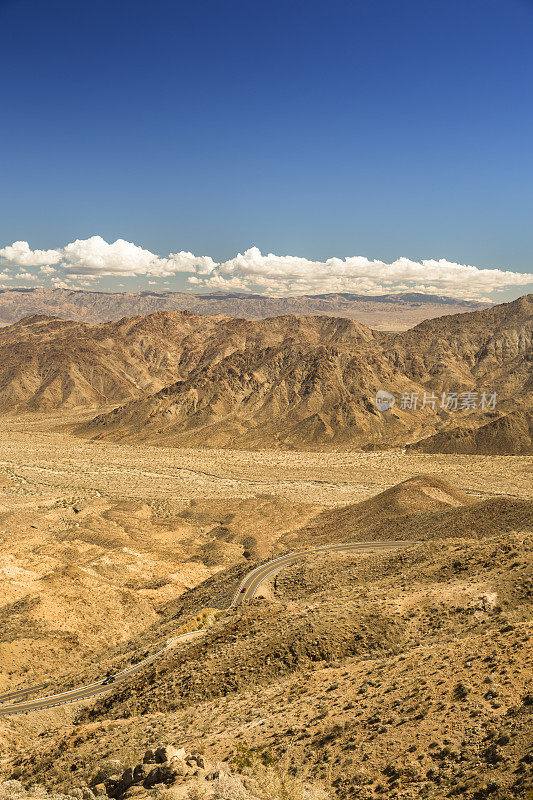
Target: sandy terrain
point(52, 464)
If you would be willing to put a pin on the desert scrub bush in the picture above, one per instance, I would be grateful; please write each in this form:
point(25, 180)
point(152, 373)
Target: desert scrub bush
point(161, 508)
point(227, 787)
point(246, 756)
point(194, 794)
point(273, 783)
point(279, 781)
point(154, 584)
point(271, 777)
point(203, 619)
point(13, 790)
point(68, 502)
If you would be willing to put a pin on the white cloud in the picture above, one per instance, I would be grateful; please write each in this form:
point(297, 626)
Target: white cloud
point(60, 283)
point(187, 262)
point(27, 276)
point(19, 253)
point(283, 275)
point(93, 258)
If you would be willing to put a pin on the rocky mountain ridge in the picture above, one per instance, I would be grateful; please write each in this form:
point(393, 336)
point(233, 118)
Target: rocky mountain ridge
point(301, 394)
point(47, 363)
point(291, 382)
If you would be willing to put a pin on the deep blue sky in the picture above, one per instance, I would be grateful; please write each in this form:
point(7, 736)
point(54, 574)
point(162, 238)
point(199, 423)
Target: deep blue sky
point(382, 128)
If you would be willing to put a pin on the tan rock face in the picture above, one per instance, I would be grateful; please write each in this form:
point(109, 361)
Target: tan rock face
point(285, 382)
point(168, 752)
point(322, 392)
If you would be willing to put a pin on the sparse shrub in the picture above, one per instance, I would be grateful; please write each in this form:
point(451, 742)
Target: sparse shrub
point(227, 787)
point(111, 766)
point(461, 691)
point(197, 794)
point(278, 782)
point(246, 756)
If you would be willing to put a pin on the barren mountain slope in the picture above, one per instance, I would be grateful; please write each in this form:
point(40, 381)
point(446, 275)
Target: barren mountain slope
point(385, 312)
point(81, 578)
point(511, 434)
point(47, 363)
point(285, 396)
point(423, 493)
point(80, 575)
point(492, 348)
point(308, 396)
point(284, 382)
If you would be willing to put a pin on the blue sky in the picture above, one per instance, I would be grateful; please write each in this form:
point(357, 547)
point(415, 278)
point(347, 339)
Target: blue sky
point(380, 144)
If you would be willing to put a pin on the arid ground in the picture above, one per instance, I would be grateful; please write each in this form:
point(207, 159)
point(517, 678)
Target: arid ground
point(50, 463)
point(402, 675)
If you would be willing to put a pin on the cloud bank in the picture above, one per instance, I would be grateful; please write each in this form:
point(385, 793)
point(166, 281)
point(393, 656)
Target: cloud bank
point(89, 260)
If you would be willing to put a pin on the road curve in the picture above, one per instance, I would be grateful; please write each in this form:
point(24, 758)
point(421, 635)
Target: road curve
point(247, 589)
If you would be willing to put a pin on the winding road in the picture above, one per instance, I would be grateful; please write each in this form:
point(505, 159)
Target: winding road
point(246, 591)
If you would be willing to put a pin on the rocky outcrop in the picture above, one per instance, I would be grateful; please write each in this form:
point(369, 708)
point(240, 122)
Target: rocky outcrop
point(164, 766)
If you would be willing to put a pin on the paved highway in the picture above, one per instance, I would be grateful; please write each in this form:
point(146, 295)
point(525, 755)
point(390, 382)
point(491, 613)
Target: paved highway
point(246, 591)
point(22, 692)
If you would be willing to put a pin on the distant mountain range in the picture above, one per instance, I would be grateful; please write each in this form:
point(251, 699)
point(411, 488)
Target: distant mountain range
point(289, 382)
point(384, 312)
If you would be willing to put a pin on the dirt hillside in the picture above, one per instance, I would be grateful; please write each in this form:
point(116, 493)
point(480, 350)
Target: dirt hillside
point(403, 675)
point(511, 434)
point(295, 395)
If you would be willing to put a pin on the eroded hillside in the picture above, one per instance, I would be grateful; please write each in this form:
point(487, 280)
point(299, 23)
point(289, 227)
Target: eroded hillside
point(286, 382)
point(403, 674)
point(297, 395)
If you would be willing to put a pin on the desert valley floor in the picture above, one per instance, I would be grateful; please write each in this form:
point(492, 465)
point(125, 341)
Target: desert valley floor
point(48, 462)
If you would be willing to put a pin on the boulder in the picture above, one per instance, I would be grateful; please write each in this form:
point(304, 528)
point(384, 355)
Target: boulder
point(140, 772)
point(167, 752)
point(166, 773)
